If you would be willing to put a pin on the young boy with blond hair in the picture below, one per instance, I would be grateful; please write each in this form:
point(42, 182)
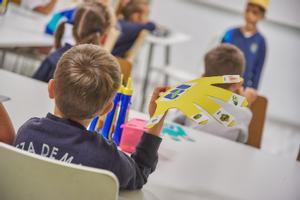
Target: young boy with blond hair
point(85, 82)
point(223, 60)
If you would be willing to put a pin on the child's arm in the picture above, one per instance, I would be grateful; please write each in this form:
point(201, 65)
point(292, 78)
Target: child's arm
point(249, 93)
point(152, 107)
point(245, 114)
point(45, 71)
point(133, 30)
point(259, 64)
point(47, 8)
point(7, 132)
point(133, 172)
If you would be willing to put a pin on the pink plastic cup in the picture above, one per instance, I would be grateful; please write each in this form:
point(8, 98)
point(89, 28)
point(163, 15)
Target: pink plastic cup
point(132, 133)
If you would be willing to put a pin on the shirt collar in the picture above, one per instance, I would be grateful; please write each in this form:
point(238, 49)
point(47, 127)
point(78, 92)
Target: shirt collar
point(65, 121)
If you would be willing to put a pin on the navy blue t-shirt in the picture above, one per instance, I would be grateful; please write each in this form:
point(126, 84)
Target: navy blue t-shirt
point(69, 141)
point(46, 70)
point(254, 49)
point(129, 33)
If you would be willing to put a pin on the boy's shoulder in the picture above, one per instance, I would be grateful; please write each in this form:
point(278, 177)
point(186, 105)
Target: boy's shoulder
point(129, 26)
point(30, 122)
point(231, 33)
point(233, 30)
point(55, 55)
point(54, 127)
point(260, 36)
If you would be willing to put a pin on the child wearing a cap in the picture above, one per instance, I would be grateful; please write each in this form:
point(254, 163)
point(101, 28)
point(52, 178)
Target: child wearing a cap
point(250, 41)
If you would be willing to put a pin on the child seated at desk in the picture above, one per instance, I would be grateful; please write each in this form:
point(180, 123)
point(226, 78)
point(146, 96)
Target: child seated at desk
point(91, 22)
point(42, 6)
point(135, 19)
point(67, 16)
point(7, 132)
point(85, 82)
point(226, 60)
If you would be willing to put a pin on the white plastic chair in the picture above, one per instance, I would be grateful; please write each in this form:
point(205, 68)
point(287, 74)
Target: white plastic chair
point(27, 176)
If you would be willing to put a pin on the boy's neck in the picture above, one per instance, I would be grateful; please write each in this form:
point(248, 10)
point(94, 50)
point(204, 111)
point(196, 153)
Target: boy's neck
point(59, 114)
point(249, 29)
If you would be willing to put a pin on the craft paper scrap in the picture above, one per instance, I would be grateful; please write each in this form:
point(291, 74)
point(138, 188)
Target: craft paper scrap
point(194, 97)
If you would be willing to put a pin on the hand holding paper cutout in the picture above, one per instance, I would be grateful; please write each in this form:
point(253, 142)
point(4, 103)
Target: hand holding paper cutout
point(194, 96)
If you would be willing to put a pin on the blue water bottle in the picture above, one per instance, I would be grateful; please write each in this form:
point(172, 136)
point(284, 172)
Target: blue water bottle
point(93, 124)
point(125, 101)
point(108, 122)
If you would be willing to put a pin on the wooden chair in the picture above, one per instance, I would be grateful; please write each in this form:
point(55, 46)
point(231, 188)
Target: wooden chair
point(258, 108)
point(126, 68)
point(118, 6)
point(134, 50)
point(27, 176)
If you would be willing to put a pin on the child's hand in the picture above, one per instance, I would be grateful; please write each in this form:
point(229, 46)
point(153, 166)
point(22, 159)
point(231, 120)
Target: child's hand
point(250, 94)
point(152, 107)
point(156, 94)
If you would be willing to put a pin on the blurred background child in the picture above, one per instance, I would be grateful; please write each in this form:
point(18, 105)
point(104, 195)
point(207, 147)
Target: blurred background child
point(226, 60)
point(91, 22)
point(250, 41)
point(134, 17)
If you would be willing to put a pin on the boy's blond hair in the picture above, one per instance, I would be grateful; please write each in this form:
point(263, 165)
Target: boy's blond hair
point(85, 79)
point(225, 59)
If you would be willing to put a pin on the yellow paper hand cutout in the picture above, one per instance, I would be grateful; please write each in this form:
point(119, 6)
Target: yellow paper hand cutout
point(194, 96)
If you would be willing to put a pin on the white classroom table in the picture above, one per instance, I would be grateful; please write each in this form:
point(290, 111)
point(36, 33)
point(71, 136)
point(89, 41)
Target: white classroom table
point(210, 168)
point(20, 27)
point(167, 42)
point(23, 28)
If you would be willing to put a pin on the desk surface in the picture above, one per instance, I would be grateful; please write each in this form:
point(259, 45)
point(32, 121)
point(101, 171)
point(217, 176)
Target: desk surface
point(208, 168)
point(173, 38)
point(23, 28)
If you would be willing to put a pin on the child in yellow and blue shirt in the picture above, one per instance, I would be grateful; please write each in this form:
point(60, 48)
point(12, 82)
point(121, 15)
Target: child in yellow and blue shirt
point(250, 41)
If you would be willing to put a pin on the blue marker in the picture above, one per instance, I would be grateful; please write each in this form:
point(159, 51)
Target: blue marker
point(93, 124)
point(125, 101)
point(111, 115)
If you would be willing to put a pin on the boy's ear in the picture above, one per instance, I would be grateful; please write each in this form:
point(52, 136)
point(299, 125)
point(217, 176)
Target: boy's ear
point(51, 91)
